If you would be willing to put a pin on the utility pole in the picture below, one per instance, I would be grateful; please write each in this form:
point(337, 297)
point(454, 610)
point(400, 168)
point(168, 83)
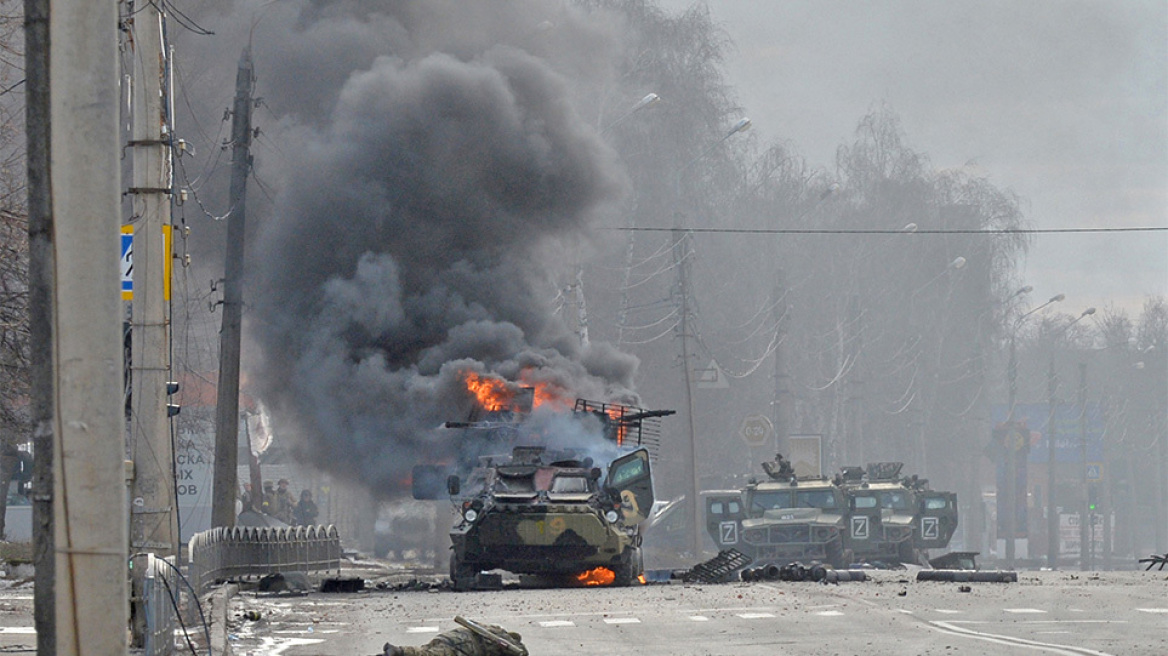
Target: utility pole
point(77, 403)
point(227, 404)
point(681, 253)
point(782, 380)
point(1086, 532)
point(1052, 514)
point(1010, 492)
point(855, 384)
point(153, 520)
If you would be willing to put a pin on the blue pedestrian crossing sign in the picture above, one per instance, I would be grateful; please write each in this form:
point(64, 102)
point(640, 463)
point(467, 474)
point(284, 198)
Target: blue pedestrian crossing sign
point(1094, 471)
point(127, 263)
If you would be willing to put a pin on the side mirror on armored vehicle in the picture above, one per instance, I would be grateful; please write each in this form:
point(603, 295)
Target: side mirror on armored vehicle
point(453, 485)
point(426, 482)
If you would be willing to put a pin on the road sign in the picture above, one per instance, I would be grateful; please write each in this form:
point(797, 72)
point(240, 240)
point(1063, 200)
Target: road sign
point(1094, 472)
point(756, 430)
point(711, 377)
point(127, 262)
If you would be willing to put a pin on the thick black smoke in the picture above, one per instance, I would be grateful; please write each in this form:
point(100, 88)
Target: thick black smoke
point(417, 230)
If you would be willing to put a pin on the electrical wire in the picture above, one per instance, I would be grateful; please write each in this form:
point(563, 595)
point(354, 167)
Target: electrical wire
point(828, 231)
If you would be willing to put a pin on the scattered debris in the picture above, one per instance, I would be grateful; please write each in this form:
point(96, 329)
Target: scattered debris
point(955, 560)
point(967, 576)
point(1153, 560)
point(717, 569)
point(291, 582)
point(337, 584)
point(799, 572)
point(965, 588)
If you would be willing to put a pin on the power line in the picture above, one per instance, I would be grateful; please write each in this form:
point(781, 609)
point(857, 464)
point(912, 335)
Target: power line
point(899, 231)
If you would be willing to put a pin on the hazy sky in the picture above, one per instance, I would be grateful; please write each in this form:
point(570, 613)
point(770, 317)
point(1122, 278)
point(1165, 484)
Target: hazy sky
point(1063, 101)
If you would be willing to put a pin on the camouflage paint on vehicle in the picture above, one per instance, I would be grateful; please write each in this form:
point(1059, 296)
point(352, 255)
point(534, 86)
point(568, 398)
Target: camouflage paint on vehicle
point(547, 513)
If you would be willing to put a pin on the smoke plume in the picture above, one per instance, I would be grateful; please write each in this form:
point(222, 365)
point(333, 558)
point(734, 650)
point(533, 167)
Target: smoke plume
point(440, 172)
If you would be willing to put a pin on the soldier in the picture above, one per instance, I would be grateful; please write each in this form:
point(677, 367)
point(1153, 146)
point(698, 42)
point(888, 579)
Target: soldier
point(779, 468)
point(470, 639)
point(306, 510)
point(268, 500)
point(285, 502)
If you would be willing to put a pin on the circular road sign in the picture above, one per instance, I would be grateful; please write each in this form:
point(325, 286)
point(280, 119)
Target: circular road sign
point(756, 430)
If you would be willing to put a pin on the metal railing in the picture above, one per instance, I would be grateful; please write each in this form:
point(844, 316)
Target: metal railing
point(241, 551)
point(160, 594)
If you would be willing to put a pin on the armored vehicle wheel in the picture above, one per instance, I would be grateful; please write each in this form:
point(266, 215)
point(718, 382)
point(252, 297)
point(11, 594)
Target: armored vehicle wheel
point(462, 574)
point(631, 568)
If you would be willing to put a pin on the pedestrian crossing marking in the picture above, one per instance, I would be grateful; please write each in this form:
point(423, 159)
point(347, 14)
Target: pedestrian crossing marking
point(621, 620)
point(830, 613)
point(422, 629)
point(1153, 610)
point(947, 611)
point(1023, 610)
point(699, 618)
point(754, 616)
point(554, 623)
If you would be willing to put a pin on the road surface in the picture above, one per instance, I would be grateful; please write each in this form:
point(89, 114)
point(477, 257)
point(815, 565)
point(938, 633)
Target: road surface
point(1045, 612)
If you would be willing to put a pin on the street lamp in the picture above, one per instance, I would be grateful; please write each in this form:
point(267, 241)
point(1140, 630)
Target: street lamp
point(1009, 502)
point(649, 100)
point(1052, 524)
point(682, 260)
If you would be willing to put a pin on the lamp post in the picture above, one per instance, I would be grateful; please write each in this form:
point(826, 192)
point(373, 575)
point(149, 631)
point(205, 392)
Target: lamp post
point(648, 100)
point(681, 257)
point(1052, 519)
point(1011, 453)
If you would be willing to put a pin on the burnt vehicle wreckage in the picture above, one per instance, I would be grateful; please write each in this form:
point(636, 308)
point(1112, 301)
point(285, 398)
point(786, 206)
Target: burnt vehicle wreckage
point(531, 506)
point(871, 515)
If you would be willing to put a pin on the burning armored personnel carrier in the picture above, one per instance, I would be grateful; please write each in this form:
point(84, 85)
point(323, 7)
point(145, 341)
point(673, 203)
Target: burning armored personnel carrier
point(535, 503)
point(871, 515)
point(554, 515)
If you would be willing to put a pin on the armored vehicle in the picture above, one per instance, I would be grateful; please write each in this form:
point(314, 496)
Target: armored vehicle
point(893, 518)
point(782, 519)
point(551, 514)
point(870, 514)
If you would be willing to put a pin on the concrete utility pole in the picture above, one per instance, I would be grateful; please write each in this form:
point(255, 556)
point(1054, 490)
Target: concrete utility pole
point(80, 547)
point(1052, 514)
point(779, 412)
point(681, 254)
point(227, 403)
point(153, 520)
point(1086, 531)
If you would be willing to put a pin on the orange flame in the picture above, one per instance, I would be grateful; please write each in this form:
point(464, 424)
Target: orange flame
point(641, 579)
point(598, 576)
point(615, 414)
point(492, 393)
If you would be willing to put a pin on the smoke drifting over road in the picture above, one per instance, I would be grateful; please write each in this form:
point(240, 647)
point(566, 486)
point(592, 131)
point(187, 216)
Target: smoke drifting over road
point(427, 193)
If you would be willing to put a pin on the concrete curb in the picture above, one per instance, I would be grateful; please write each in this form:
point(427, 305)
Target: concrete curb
point(217, 607)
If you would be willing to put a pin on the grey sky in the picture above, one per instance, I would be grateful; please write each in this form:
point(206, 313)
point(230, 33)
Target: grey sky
point(1065, 102)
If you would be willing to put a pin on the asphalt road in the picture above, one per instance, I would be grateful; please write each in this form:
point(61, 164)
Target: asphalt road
point(1045, 612)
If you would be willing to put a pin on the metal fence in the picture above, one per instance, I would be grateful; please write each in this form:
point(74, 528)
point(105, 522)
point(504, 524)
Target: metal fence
point(241, 551)
point(159, 594)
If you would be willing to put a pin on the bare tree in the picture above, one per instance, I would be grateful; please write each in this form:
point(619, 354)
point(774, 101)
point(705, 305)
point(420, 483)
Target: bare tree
point(14, 359)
